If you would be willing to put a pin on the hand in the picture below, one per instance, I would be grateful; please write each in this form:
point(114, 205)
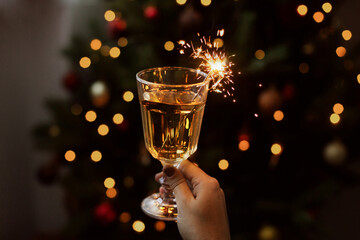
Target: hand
point(200, 202)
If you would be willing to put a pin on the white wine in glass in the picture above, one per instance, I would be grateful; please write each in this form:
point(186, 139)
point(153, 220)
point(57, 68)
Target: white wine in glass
point(172, 101)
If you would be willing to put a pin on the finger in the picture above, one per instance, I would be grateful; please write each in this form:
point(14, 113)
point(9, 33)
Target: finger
point(158, 177)
point(177, 182)
point(192, 172)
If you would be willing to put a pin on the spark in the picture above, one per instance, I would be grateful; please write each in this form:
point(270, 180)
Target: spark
point(214, 61)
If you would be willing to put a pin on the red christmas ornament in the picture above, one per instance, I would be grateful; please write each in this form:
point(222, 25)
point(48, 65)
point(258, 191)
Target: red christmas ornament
point(71, 81)
point(117, 27)
point(105, 213)
point(288, 92)
point(151, 12)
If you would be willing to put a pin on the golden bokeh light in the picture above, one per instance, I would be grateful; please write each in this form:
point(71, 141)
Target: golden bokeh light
point(109, 182)
point(268, 232)
point(334, 118)
point(128, 181)
point(109, 15)
point(347, 35)
point(218, 42)
point(205, 2)
point(169, 46)
point(118, 118)
point(259, 54)
point(122, 42)
point(358, 78)
point(114, 52)
point(244, 145)
point(90, 116)
point(54, 131)
point(96, 156)
point(318, 17)
point(302, 10)
point(223, 164)
point(85, 62)
point(181, 2)
point(128, 96)
point(70, 155)
point(103, 129)
point(304, 68)
point(159, 226)
point(125, 217)
point(276, 149)
point(341, 51)
point(138, 226)
point(327, 7)
point(76, 109)
point(111, 192)
point(95, 44)
point(105, 50)
point(338, 108)
point(278, 115)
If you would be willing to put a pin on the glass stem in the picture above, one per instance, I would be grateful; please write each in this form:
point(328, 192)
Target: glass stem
point(167, 196)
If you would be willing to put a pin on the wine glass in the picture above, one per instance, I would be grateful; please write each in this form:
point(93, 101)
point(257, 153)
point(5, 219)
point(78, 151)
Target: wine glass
point(172, 101)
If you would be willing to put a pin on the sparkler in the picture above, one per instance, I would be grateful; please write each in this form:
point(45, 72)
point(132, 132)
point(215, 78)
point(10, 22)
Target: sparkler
point(214, 62)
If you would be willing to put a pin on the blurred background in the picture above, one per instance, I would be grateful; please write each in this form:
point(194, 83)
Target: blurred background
point(73, 163)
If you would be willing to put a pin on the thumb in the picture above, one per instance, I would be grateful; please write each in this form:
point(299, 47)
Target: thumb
point(176, 181)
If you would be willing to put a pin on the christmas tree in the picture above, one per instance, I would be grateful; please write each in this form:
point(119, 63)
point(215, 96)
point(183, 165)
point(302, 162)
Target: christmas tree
point(279, 151)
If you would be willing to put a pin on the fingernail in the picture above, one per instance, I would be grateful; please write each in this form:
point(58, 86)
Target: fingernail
point(169, 171)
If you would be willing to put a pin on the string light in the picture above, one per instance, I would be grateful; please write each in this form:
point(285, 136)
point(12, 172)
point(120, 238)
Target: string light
point(122, 42)
point(278, 115)
point(105, 51)
point(95, 44)
point(276, 149)
point(205, 3)
point(218, 42)
point(327, 7)
point(128, 96)
point(109, 182)
point(260, 54)
point(159, 226)
point(318, 17)
point(54, 131)
point(103, 129)
point(128, 181)
point(118, 118)
point(96, 156)
point(85, 62)
point(223, 164)
point(338, 108)
point(109, 15)
point(138, 226)
point(169, 46)
point(334, 118)
point(125, 217)
point(181, 2)
point(114, 52)
point(341, 51)
point(70, 155)
point(76, 109)
point(302, 10)
point(304, 68)
point(111, 192)
point(244, 145)
point(90, 116)
point(347, 35)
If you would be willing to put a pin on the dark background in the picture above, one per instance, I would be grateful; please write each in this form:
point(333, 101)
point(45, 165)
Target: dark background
point(32, 34)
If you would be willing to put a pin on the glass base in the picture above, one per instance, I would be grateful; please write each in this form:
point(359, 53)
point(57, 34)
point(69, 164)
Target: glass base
point(162, 209)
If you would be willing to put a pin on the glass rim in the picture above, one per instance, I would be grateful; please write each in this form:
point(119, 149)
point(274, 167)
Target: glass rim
point(139, 79)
